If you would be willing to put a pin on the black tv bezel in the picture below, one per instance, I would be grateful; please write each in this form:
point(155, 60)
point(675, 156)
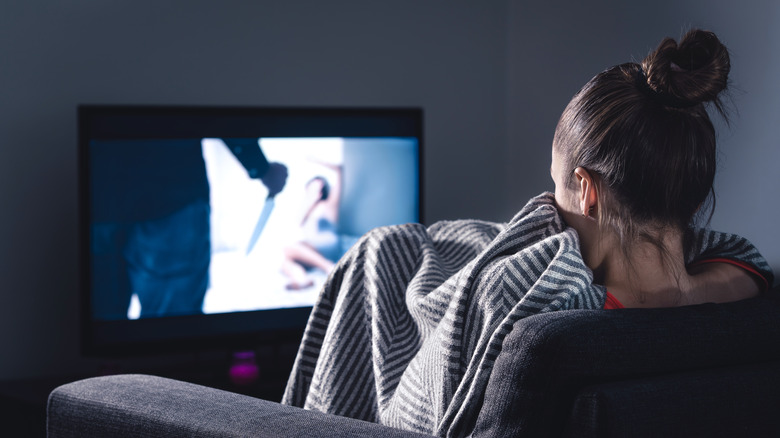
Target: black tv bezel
point(228, 331)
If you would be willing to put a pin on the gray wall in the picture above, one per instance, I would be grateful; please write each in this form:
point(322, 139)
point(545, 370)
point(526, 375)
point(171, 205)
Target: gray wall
point(492, 77)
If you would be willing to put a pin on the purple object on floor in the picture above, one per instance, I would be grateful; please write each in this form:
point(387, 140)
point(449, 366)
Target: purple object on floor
point(244, 369)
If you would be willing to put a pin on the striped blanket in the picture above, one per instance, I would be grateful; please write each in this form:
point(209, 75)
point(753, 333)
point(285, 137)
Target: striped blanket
point(409, 324)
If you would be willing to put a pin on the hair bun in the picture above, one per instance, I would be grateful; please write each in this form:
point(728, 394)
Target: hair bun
point(694, 71)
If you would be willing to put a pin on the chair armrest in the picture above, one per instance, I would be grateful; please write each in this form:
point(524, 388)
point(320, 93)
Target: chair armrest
point(149, 406)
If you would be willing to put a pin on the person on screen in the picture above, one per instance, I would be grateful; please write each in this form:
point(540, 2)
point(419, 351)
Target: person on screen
point(151, 213)
point(320, 246)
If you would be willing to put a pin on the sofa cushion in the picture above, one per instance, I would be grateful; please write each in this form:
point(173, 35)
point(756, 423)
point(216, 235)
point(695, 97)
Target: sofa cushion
point(731, 401)
point(549, 358)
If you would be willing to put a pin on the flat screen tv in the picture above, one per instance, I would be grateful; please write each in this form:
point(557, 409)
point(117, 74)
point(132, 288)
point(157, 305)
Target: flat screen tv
point(215, 227)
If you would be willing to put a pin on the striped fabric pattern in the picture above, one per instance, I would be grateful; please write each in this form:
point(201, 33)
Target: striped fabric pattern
point(409, 324)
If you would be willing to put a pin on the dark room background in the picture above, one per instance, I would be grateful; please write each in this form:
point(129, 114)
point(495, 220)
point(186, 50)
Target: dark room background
point(491, 76)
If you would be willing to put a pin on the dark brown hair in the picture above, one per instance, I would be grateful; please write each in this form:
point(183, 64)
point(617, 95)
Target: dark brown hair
point(644, 134)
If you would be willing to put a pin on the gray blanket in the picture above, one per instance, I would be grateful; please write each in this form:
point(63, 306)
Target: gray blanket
point(409, 324)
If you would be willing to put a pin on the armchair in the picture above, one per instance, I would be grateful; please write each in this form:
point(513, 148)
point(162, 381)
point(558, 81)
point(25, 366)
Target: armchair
point(704, 370)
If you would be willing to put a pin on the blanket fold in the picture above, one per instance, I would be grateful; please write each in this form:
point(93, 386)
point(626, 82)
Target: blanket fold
point(409, 324)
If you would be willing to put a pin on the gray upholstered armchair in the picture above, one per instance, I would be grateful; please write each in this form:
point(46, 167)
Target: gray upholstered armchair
point(705, 370)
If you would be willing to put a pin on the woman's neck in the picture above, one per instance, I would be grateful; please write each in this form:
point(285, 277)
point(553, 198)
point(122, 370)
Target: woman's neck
point(649, 275)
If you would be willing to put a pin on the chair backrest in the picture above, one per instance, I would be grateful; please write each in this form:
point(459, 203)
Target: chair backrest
point(549, 358)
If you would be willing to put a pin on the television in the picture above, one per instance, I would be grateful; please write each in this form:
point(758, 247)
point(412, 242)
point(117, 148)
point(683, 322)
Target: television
point(216, 227)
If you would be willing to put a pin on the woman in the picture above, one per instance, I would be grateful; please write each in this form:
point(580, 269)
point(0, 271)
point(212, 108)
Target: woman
point(320, 246)
point(633, 162)
point(407, 329)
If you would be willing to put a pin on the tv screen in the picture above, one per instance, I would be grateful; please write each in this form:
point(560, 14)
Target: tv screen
point(215, 227)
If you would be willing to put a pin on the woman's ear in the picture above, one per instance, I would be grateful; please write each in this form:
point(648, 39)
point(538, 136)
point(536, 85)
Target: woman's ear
point(587, 194)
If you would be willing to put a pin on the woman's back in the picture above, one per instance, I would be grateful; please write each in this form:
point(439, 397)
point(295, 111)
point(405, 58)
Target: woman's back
point(633, 162)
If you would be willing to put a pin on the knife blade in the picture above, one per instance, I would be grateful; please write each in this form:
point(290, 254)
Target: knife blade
point(268, 206)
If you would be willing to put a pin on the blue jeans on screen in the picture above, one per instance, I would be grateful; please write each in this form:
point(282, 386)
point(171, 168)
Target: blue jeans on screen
point(165, 262)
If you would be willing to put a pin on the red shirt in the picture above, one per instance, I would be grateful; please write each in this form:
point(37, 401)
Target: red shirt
point(613, 303)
